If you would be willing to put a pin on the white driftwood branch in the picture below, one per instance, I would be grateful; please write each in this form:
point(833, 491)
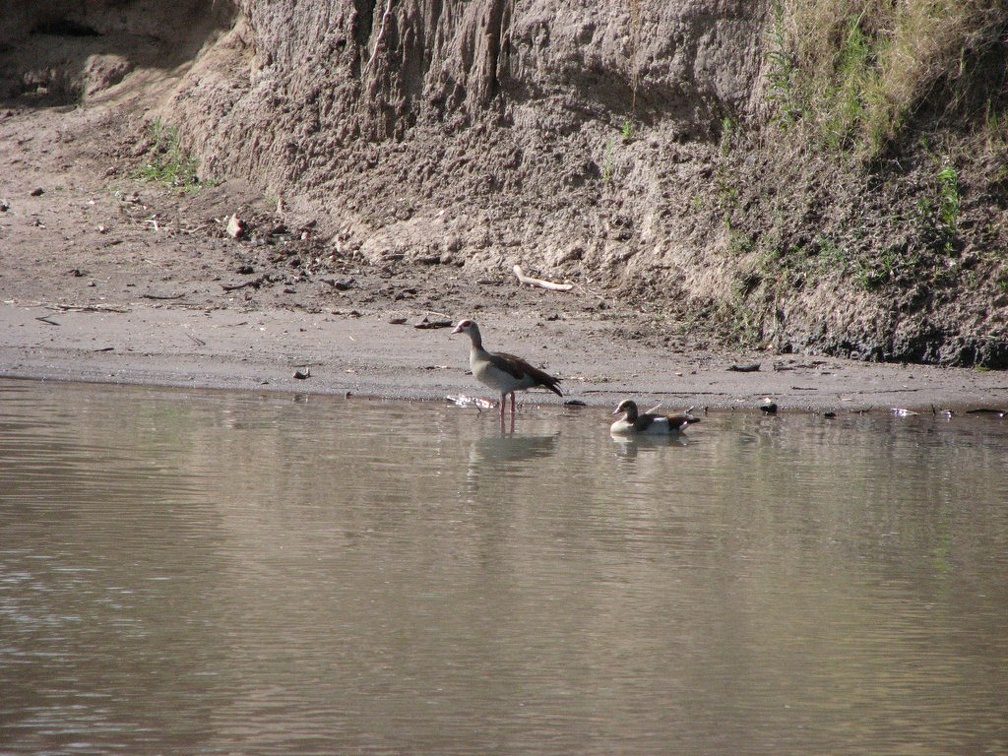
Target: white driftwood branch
point(539, 282)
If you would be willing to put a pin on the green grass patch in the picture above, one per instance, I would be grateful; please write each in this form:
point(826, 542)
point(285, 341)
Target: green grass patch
point(166, 162)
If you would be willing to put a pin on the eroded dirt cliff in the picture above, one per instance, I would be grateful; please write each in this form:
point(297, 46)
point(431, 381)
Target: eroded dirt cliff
point(626, 146)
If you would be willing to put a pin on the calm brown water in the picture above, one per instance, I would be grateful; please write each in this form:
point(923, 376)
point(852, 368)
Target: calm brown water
point(225, 573)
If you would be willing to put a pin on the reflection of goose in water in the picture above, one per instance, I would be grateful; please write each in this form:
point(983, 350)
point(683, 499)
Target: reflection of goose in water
point(496, 452)
point(629, 447)
point(648, 424)
point(501, 447)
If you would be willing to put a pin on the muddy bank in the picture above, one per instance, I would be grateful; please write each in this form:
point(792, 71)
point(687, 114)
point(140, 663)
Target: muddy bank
point(104, 277)
point(366, 355)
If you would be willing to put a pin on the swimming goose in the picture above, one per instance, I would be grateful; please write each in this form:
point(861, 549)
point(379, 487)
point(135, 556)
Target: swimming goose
point(648, 423)
point(504, 373)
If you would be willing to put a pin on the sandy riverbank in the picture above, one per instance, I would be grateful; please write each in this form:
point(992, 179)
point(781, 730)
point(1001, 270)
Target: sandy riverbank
point(368, 355)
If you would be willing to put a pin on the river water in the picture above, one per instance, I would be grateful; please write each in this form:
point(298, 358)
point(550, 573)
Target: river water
point(201, 572)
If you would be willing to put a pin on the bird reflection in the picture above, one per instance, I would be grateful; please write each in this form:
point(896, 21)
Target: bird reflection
point(495, 448)
point(628, 447)
point(498, 452)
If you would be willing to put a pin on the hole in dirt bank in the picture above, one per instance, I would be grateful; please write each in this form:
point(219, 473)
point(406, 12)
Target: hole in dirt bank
point(64, 27)
point(59, 52)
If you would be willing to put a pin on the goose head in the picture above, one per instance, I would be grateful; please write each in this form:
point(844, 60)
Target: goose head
point(466, 326)
point(627, 407)
point(470, 329)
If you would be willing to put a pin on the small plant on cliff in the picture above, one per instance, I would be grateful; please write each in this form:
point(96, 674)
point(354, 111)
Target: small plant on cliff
point(782, 73)
point(167, 163)
point(729, 135)
point(948, 198)
point(937, 216)
point(609, 156)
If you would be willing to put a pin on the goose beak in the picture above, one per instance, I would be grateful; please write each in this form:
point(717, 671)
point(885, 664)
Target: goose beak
point(458, 329)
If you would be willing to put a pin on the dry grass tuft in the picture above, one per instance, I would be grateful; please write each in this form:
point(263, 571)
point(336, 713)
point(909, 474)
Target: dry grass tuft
point(858, 70)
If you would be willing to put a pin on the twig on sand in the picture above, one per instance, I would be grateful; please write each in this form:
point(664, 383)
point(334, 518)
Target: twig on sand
point(254, 283)
point(551, 285)
point(426, 322)
point(86, 308)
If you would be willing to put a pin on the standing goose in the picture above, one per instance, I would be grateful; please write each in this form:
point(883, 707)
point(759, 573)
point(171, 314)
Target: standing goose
point(632, 423)
point(504, 373)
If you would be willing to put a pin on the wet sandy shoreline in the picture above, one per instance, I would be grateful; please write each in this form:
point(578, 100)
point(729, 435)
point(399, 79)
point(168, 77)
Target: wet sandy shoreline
point(369, 356)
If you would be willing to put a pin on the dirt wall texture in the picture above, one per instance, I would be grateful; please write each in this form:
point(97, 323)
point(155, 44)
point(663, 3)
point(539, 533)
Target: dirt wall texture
point(629, 146)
